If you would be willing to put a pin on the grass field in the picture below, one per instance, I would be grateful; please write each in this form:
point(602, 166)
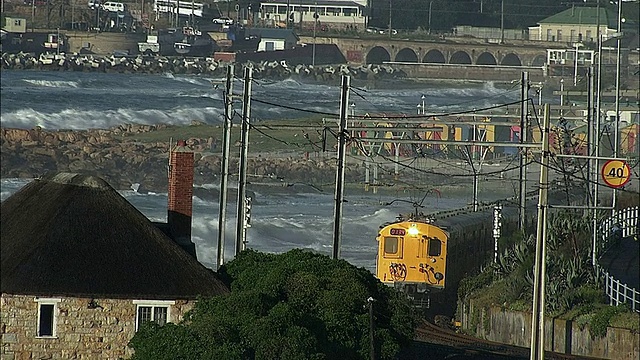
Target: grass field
point(273, 136)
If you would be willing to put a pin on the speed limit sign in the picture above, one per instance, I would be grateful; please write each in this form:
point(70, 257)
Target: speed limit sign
point(616, 173)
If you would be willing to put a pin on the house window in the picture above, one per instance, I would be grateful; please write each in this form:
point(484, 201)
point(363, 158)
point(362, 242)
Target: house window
point(589, 35)
point(549, 36)
point(269, 46)
point(156, 311)
point(559, 35)
point(47, 316)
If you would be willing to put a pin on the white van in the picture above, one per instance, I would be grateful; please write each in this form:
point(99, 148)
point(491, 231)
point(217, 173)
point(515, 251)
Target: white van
point(113, 6)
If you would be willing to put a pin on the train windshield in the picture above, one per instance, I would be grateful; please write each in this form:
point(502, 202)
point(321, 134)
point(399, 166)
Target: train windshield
point(392, 246)
point(435, 247)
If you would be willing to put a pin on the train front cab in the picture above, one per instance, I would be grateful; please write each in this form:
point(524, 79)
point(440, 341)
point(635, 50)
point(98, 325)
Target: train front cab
point(412, 258)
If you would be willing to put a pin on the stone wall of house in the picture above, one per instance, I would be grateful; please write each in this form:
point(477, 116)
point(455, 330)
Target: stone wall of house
point(82, 332)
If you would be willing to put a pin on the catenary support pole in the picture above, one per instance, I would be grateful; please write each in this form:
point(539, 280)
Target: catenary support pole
point(589, 133)
point(522, 194)
point(241, 241)
point(617, 108)
point(596, 141)
point(226, 140)
point(342, 149)
point(537, 321)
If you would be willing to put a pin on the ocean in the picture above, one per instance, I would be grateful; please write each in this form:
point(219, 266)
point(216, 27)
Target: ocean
point(280, 221)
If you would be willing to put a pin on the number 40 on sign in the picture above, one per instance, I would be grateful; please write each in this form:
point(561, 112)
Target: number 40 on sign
point(616, 173)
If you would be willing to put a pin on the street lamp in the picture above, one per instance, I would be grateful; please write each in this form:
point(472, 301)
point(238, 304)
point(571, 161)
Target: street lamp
point(315, 22)
point(430, 3)
point(575, 61)
point(423, 106)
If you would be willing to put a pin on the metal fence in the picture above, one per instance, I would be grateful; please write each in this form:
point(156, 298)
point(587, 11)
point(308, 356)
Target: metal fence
point(624, 222)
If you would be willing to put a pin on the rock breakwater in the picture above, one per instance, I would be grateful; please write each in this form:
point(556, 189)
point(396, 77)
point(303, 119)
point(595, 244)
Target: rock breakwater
point(182, 65)
point(123, 161)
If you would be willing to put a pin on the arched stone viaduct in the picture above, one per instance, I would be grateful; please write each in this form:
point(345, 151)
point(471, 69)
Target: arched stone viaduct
point(376, 51)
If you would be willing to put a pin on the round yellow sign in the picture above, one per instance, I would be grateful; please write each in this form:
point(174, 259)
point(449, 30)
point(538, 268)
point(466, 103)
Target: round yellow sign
point(616, 173)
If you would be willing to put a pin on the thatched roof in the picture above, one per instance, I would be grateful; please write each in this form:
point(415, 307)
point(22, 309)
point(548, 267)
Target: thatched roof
point(74, 235)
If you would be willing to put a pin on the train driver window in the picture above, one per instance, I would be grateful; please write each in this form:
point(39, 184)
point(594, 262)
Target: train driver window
point(435, 247)
point(393, 246)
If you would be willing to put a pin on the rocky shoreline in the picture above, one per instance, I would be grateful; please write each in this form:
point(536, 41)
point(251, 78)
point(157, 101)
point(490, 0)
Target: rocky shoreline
point(122, 161)
point(183, 65)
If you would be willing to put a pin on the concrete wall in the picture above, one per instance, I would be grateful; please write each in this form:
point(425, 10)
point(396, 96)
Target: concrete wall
point(82, 332)
point(469, 72)
point(562, 336)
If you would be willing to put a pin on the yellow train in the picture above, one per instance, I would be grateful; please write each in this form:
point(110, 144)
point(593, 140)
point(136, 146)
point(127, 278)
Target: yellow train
point(412, 256)
point(426, 259)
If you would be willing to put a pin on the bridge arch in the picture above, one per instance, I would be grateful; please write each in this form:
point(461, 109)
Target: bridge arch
point(378, 55)
point(539, 60)
point(407, 55)
point(460, 57)
point(486, 58)
point(434, 56)
point(511, 59)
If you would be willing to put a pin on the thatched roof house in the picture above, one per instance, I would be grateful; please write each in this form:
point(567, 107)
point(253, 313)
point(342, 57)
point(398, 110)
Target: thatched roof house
point(73, 250)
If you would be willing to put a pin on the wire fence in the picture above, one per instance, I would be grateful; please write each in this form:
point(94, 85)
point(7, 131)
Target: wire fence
point(621, 224)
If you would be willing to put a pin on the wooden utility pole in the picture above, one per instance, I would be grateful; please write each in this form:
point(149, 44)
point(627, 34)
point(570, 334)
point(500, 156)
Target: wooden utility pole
point(342, 149)
point(241, 230)
point(226, 141)
point(537, 321)
point(524, 109)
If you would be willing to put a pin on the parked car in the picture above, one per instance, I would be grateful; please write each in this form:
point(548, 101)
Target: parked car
point(93, 4)
point(223, 21)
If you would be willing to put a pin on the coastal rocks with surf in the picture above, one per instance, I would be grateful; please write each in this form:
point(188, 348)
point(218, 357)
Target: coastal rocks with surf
point(276, 70)
point(122, 161)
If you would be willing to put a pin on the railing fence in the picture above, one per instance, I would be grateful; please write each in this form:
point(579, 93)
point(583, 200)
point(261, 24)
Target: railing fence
point(622, 223)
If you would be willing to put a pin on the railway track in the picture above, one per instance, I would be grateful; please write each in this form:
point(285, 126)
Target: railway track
point(469, 345)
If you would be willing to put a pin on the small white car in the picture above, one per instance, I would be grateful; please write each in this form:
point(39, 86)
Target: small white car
point(93, 4)
point(223, 21)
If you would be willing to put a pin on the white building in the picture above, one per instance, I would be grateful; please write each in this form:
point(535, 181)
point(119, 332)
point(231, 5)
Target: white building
point(330, 14)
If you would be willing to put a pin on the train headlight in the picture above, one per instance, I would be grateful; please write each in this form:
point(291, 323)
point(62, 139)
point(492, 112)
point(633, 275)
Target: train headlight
point(433, 260)
point(413, 230)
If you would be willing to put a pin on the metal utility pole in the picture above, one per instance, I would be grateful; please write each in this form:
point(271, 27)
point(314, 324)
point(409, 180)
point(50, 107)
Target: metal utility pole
point(226, 141)
point(342, 149)
point(596, 140)
point(524, 109)
point(241, 241)
point(537, 323)
point(617, 124)
point(590, 82)
point(372, 343)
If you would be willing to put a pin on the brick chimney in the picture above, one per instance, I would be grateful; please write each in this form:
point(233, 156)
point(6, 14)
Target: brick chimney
point(180, 196)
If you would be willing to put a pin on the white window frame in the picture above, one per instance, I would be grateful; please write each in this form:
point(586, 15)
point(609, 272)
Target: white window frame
point(48, 301)
point(153, 304)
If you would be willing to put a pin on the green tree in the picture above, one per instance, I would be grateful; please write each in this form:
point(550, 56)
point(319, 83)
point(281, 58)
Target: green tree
point(296, 305)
